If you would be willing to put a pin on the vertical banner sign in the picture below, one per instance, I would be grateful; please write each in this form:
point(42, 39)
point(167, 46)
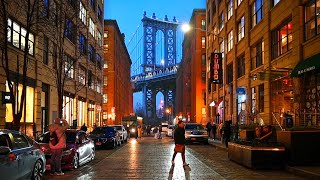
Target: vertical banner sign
point(216, 68)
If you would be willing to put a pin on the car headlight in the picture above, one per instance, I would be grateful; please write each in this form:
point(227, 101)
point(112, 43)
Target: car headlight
point(133, 130)
point(188, 132)
point(67, 152)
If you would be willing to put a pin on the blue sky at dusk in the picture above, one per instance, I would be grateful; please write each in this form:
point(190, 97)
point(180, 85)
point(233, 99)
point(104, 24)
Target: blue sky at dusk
point(128, 14)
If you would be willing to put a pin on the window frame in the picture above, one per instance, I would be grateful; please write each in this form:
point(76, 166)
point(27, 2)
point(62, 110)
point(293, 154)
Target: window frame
point(255, 10)
point(221, 21)
point(257, 55)
point(230, 41)
point(230, 9)
point(277, 39)
point(314, 18)
point(241, 28)
point(241, 66)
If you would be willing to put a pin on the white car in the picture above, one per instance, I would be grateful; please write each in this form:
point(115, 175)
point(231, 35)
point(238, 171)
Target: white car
point(122, 131)
point(170, 130)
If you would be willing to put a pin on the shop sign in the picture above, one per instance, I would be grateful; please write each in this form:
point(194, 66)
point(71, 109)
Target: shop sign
point(216, 68)
point(7, 98)
point(241, 91)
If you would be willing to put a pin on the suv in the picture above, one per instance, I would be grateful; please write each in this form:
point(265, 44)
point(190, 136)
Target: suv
point(195, 132)
point(122, 132)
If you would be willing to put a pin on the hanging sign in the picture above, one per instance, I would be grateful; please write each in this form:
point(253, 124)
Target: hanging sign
point(216, 68)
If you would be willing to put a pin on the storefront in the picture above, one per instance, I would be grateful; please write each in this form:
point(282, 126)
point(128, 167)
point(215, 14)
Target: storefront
point(82, 111)
point(68, 109)
point(241, 104)
point(307, 72)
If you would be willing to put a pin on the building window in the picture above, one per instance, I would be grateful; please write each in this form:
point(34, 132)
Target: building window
point(100, 14)
point(83, 13)
point(274, 2)
point(82, 44)
point(45, 50)
point(99, 61)
point(82, 76)
point(229, 73)
point(91, 52)
point(17, 36)
point(221, 21)
point(69, 66)
point(261, 97)
point(70, 30)
point(105, 34)
point(203, 42)
point(230, 9)
point(257, 12)
point(91, 27)
point(203, 59)
point(241, 66)
point(93, 4)
point(230, 41)
point(90, 79)
point(312, 19)
point(99, 38)
point(105, 65)
point(203, 76)
point(105, 81)
point(282, 39)
point(221, 48)
point(241, 29)
point(98, 85)
point(105, 99)
point(45, 12)
point(239, 2)
point(203, 24)
point(253, 100)
point(257, 54)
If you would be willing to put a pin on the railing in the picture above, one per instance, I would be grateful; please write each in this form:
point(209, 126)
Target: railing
point(155, 74)
point(277, 121)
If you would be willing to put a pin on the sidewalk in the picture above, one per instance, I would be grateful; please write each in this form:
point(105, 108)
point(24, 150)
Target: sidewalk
point(309, 172)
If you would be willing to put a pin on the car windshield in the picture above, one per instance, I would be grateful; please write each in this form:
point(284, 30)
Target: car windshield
point(194, 126)
point(117, 127)
point(71, 137)
point(102, 130)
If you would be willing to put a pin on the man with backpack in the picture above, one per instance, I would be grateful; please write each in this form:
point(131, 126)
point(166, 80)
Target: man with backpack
point(57, 143)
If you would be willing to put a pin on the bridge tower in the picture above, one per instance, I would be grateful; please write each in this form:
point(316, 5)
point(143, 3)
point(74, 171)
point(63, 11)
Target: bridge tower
point(152, 25)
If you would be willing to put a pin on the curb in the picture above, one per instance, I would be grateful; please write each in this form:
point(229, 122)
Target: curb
point(302, 173)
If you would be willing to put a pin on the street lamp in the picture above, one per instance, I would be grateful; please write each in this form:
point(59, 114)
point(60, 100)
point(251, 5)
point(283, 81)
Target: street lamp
point(185, 28)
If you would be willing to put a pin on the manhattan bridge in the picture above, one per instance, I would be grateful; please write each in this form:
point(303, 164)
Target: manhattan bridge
point(155, 51)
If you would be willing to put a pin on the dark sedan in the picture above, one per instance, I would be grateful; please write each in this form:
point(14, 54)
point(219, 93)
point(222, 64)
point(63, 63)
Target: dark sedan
point(20, 156)
point(105, 136)
point(80, 149)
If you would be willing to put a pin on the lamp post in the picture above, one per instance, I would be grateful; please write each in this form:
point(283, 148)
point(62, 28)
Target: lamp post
point(186, 28)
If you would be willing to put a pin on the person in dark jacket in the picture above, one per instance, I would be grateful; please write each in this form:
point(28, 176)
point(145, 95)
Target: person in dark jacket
point(180, 141)
point(84, 127)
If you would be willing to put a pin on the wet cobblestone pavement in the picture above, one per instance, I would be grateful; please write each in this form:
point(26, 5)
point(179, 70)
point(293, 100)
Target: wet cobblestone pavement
point(150, 158)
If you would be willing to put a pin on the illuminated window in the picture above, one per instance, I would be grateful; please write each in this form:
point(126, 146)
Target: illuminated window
point(82, 76)
point(81, 112)
point(69, 66)
point(241, 29)
point(203, 42)
point(98, 85)
point(68, 108)
point(274, 2)
point(282, 39)
point(257, 12)
point(17, 36)
point(29, 104)
point(105, 98)
point(105, 81)
point(230, 41)
point(312, 19)
point(83, 13)
point(91, 27)
point(230, 9)
point(105, 34)
point(99, 38)
point(221, 21)
point(221, 48)
point(203, 24)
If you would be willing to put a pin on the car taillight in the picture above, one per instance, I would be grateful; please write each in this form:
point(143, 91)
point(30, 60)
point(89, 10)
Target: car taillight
point(43, 149)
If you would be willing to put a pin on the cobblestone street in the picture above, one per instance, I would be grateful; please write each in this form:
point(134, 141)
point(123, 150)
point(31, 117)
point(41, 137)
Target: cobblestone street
point(150, 158)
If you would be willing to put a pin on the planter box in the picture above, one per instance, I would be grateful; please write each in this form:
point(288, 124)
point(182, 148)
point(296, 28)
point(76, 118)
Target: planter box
point(246, 135)
point(302, 147)
point(257, 157)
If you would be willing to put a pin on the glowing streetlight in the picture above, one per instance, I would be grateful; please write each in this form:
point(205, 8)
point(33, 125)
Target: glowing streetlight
point(185, 27)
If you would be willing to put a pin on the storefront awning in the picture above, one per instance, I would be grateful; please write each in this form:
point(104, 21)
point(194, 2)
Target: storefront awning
point(310, 64)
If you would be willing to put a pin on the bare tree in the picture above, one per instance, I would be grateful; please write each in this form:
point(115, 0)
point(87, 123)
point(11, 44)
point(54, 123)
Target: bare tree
point(26, 12)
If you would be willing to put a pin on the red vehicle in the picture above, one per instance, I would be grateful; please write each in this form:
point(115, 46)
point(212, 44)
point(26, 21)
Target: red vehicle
point(80, 149)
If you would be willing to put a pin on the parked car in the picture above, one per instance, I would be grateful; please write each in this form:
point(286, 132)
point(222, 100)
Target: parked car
point(195, 132)
point(170, 130)
point(20, 156)
point(122, 132)
point(79, 149)
point(105, 136)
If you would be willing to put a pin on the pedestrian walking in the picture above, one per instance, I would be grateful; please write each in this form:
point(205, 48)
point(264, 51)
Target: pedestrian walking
point(180, 141)
point(214, 130)
point(220, 130)
point(84, 127)
point(209, 126)
point(139, 132)
point(227, 131)
point(58, 128)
